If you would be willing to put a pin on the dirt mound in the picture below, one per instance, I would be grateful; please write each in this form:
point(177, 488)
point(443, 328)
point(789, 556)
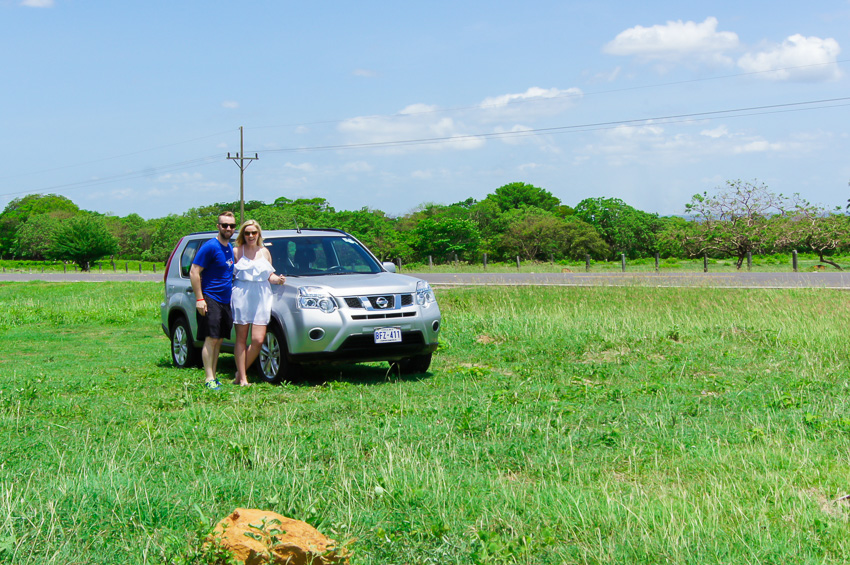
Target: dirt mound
point(258, 537)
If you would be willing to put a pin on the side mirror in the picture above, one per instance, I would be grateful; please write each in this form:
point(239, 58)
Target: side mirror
point(389, 266)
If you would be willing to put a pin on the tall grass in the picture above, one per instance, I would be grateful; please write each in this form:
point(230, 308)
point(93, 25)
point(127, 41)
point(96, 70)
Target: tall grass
point(557, 425)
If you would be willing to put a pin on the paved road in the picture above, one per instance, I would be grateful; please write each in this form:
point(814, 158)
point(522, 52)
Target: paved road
point(80, 277)
point(834, 280)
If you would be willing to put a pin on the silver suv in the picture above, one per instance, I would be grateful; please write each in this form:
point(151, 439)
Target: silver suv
point(339, 304)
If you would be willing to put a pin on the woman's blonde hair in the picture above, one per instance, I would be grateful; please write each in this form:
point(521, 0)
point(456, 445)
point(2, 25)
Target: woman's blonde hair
point(240, 239)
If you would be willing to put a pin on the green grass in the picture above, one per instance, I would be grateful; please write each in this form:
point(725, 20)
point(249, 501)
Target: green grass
point(557, 425)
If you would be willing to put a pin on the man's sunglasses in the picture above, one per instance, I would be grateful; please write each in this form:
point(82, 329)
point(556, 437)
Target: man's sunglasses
point(231, 226)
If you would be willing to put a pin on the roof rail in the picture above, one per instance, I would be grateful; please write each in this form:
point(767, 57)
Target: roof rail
point(327, 229)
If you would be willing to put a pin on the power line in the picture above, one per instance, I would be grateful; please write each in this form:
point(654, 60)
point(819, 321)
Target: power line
point(565, 94)
point(113, 157)
point(675, 118)
point(190, 164)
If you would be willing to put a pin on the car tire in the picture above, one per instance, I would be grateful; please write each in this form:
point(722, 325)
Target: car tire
point(184, 354)
point(273, 366)
point(415, 364)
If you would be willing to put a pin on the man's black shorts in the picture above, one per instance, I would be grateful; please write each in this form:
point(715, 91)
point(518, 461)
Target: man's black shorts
point(217, 323)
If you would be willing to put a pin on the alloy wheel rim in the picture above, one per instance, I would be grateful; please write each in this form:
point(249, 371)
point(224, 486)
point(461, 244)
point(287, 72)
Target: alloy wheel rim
point(180, 345)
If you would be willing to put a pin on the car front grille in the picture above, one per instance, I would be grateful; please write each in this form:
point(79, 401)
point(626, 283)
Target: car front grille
point(383, 316)
point(379, 302)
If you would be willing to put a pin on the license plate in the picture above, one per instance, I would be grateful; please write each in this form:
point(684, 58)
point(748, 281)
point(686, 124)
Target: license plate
point(388, 335)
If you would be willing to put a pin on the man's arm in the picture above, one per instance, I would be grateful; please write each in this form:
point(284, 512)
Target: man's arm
point(195, 277)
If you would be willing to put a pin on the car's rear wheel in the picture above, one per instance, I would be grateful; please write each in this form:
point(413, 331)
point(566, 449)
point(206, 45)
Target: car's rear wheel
point(183, 351)
point(415, 364)
point(272, 363)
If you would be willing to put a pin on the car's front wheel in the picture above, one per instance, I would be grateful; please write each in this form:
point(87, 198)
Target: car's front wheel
point(183, 351)
point(272, 363)
point(415, 364)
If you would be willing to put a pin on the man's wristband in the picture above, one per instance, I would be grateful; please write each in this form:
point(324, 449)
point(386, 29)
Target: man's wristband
point(198, 300)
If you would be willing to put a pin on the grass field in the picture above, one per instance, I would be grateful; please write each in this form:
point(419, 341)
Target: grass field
point(557, 425)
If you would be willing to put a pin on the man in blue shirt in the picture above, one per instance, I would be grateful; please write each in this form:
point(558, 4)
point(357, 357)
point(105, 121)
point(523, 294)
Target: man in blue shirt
point(212, 280)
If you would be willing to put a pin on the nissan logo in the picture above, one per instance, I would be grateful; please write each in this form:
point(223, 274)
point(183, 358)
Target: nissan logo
point(382, 302)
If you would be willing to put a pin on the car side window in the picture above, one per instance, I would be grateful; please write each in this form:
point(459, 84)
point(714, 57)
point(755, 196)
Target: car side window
point(187, 256)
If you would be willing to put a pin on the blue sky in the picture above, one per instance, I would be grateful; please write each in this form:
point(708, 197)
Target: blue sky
point(133, 106)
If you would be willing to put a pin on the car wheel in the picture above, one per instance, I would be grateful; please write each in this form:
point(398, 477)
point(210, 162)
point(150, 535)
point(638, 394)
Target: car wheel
point(272, 363)
point(415, 364)
point(183, 351)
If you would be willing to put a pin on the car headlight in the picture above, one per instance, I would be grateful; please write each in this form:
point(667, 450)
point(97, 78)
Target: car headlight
point(315, 298)
point(424, 294)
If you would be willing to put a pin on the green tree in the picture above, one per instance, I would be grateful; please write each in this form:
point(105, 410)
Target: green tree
point(671, 235)
point(624, 228)
point(133, 233)
point(167, 231)
point(83, 239)
point(582, 239)
point(533, 234)
point(516, 194)
point(445, 237)
point(536, 234)
point(35, 237)
point(19, 210)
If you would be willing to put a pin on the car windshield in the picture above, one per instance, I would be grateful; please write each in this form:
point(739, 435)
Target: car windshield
point(319, 255)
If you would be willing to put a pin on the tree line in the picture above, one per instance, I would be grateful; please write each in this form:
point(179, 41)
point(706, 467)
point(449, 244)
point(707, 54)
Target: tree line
point(515, 220)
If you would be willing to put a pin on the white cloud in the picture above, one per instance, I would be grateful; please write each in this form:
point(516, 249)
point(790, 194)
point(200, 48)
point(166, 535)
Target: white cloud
point(606, 76)
point(357, 167)
point(720, 131)
point(229, 104)
point(37, 3)
point(415, 122)
point(528, 166)
point(674, 41)
point(435, 129)
point(798, 58)
point(532, 104)
point(179, 177)
point(365, 73)
point(533, 93)
point(122, 193)
point(188, 183)
point(759, 146)
point(514, 135)
point(303, 167)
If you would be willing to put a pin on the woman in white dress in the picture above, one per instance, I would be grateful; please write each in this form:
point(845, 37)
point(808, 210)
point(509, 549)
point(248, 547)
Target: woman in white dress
point(253, 275)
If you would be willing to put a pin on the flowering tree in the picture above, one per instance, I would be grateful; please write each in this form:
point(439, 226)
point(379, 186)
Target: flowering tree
point(816, 228)
point(738, 219)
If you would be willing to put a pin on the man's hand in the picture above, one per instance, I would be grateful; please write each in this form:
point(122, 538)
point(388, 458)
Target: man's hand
point(201, 305)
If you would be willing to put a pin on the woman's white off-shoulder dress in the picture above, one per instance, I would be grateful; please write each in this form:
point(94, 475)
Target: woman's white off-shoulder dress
point(252, 294)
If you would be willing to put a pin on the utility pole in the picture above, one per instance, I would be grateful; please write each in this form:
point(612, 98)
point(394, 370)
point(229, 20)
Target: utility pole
point(240, 159)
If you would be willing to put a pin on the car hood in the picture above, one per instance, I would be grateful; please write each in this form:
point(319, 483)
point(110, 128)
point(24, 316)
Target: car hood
point(358, 284)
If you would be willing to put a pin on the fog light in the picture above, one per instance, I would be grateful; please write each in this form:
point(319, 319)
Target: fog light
point(316, 334)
